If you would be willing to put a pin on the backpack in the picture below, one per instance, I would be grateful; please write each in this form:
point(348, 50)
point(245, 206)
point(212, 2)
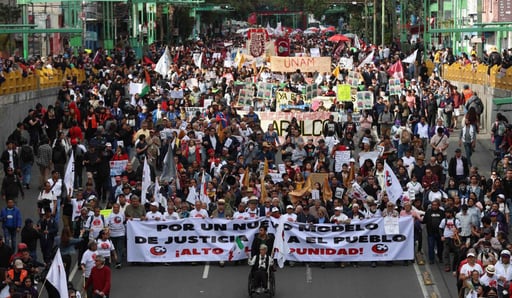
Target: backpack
point(479, 106)
point(405, 136)
point(26, 154)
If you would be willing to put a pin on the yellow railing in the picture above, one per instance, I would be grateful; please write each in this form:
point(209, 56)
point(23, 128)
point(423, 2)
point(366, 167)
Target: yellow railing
point(41, 79)
point(478, 75)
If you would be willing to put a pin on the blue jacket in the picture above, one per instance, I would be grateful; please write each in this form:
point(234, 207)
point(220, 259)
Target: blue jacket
point(11, 217)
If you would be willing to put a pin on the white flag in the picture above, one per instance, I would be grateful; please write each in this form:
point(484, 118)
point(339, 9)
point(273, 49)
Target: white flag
point(368, 59)
point(162, 66)
point(198, 59)
point(357, 44)
point(57, 275)
point(411, 58)
point(146, 181)
point(203, 196)
point(192, 195)
point(281, 249)
point(69, 175)
point(393, 187)
point(158, 196)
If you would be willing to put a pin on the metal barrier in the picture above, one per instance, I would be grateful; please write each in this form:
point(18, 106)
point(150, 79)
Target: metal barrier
point(497, 78)
point(39, 79)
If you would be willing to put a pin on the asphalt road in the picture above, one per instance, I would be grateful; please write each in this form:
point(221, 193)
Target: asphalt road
point(181, 280)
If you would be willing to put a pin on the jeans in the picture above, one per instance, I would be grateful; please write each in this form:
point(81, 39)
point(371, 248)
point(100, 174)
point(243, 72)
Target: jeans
point(10, 237)
point(402, 148)
point(119, 246)
point(433, 242)
point(469, 151)
point(497, 142)
point(26, 172)
point(57, 217)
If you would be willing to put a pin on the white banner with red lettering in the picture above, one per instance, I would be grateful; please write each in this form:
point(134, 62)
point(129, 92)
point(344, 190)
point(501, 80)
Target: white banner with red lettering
point(201, 240)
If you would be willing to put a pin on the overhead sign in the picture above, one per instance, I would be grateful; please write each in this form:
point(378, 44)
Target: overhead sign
point(305, 64)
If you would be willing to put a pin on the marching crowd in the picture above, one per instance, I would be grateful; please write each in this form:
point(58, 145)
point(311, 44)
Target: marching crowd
point(225, 147)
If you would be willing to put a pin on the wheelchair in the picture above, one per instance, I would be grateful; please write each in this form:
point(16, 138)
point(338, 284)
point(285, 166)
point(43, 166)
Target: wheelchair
point(269, 291)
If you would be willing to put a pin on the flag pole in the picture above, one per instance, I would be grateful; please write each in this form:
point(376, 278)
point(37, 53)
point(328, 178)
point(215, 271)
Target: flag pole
point(42, 288)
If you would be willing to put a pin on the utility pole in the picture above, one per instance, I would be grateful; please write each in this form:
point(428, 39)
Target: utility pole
point(383, 20)
point(374, 41)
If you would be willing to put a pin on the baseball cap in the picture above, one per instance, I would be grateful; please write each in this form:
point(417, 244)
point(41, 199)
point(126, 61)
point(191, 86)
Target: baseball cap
point(18, 264)
point(275, 209)
point(288, 207)
point(470, 254)
point(505, 252)
point(154, 204)
point(338, 209)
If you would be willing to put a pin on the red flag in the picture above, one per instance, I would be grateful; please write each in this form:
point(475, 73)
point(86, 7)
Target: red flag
point(396, 70)
point(147, 60)
point(252, 19)
point(148, 78)
point(176, 57)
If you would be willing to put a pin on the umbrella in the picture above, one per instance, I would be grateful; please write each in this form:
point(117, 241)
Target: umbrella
point(329, 29)
point(338, 38)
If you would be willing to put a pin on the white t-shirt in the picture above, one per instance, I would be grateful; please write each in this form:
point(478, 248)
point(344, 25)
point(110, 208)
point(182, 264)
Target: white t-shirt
point(77, 207)
point(240, 215)
point(96, 224)
point(154, 216)
point(57, 188)
point(174, 216)
point(466, 269)
point(489, 281)
point(342, 218)
point(105, 247)
point(198, 214)
point(447, 224)
point(48, 196)
point(115, 222)
point(290, 217)
point(88, 260)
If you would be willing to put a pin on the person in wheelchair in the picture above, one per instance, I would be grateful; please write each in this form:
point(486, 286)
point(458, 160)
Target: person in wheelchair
point(261, 264)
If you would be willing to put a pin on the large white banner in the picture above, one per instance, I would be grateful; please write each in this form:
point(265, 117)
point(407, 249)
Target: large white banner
point(201, 240)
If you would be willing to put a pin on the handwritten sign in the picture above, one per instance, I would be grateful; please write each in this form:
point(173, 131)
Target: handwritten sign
point(305, 64)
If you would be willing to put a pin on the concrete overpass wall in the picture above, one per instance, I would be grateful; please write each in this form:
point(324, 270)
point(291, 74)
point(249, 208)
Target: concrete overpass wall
point(14, 108)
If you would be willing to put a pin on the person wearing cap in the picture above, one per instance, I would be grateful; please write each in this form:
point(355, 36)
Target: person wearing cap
point(223, 210)
point(503, 270)
point(17, 274)
point(339, 217)
point(450, 227)
point(154, 214)
point(471, 265)
point(100, 278)
point(488, 235)
point(489, 279)
point(290, 214)
point(261, 263)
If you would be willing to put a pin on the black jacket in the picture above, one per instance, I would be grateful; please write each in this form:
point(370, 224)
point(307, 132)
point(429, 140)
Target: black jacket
point(452, 166)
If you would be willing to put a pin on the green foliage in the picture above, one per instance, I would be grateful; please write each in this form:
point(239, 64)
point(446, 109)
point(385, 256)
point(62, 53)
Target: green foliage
point(9, 14)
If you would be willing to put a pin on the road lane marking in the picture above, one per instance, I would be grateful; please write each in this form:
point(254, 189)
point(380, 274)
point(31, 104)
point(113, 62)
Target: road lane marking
point(419, 276)
point(206, 271)
point(309, 274)
point(73, 272)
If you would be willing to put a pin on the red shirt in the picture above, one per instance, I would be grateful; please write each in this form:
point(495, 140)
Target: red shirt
point(100, 279)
